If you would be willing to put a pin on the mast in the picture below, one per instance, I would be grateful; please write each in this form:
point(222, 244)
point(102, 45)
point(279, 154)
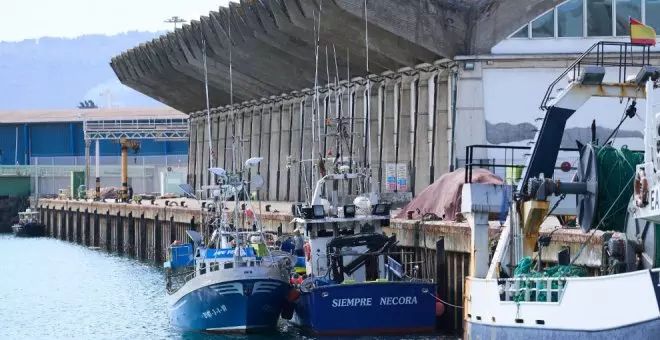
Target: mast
point(367, 99)
point(208, 106)
point(316, 127)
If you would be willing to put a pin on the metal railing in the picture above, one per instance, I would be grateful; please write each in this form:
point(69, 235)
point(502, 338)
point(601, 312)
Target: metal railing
point(160, 129)
point(511, 160)
point(527, 289)
point(605, 53)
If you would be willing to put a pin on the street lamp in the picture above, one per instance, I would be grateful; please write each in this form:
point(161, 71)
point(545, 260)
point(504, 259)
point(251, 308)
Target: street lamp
point(175, 20)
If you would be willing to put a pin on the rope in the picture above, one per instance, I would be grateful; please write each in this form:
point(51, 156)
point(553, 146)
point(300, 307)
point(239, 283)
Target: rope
point(444, 302)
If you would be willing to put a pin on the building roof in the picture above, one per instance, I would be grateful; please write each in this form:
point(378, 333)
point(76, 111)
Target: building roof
point(78, 115)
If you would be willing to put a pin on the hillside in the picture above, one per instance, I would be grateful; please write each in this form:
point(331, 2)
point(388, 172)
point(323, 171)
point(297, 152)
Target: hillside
point(58, 73)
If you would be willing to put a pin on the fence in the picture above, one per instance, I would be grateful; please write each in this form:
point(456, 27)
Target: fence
point(49, 174)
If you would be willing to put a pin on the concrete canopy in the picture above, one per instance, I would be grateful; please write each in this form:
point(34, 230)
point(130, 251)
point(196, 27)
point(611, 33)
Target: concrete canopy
point(273, 45)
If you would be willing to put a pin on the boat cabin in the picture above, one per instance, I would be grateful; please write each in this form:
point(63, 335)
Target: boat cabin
point(345, 246)
point(28, 216)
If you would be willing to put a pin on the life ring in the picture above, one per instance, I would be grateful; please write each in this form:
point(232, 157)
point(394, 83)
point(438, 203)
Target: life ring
point(641, 189)
point(308, 251)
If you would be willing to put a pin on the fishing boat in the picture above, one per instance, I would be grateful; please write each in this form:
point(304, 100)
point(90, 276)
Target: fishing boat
point(232, 284)
point(29, 225)
point(350, 289)
point(613, 193)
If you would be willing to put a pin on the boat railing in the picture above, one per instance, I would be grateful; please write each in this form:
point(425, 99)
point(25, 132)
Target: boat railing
point(622, 55)
point(504, 160)
point(532, 289)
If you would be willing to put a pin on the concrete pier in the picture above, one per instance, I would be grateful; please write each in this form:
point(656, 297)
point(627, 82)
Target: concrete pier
point(145, 232)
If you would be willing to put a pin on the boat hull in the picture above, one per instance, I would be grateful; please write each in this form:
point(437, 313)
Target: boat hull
point(29, 230)
point(236, 306)
point(367, 309)
point(640, 331)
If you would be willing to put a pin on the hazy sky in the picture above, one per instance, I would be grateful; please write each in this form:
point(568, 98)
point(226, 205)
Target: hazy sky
point(30, 19)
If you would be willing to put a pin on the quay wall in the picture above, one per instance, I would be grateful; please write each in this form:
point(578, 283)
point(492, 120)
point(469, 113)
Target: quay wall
point(144, 232)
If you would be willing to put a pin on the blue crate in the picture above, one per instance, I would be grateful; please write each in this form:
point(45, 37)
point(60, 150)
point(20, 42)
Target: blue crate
point(181, 255)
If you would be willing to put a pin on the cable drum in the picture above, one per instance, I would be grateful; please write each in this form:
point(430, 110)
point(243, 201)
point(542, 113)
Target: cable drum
point(609, 173)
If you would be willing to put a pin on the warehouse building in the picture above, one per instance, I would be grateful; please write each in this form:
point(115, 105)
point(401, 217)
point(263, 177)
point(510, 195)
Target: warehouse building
point(49, 144)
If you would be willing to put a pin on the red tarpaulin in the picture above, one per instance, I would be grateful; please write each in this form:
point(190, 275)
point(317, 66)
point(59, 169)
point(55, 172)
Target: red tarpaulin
point(443, 197)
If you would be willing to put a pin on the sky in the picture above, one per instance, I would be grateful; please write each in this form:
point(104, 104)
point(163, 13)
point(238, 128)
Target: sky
point(32, 19)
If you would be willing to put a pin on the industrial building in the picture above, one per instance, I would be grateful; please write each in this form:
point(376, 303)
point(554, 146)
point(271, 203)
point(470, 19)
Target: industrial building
point(442, 74)
point(42, 148)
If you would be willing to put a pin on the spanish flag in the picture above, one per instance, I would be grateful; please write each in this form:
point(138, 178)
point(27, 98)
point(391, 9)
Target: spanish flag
point(641, 34)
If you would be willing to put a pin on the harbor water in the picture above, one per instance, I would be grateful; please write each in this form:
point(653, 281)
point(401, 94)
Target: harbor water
point(51, 289)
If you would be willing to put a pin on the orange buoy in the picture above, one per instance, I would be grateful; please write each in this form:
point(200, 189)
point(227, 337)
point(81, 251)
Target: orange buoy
point(294, 294)
point(439, 309)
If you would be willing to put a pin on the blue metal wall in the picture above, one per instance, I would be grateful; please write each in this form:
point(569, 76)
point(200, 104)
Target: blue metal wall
point(19, 142)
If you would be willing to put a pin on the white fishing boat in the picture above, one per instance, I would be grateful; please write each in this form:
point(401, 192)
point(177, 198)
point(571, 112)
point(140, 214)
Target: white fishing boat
point(613, 190)
point(233, 283)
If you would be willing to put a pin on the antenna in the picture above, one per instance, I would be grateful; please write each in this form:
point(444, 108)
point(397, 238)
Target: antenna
point(175, 20)
point(316, 130)
point(208, 105)
point(367, 104)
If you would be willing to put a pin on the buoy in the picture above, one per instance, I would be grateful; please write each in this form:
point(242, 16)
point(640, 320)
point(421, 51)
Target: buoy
point(439, 309)
point(294, 294)
point(296, 279)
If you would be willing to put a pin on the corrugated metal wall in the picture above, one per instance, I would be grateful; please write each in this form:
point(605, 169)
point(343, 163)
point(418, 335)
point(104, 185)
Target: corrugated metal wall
point(65, 140)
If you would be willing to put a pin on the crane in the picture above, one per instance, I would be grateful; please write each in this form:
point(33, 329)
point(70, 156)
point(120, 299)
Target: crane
point(125, 144)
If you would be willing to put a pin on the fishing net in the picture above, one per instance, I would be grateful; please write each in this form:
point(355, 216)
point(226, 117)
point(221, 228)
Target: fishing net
point(537, 289)
point(616, 171)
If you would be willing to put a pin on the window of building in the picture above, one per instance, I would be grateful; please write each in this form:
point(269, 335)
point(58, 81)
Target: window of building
point(544, 26)
point(570, 19)
point(599, 18)
point(653, 14)
point(626, 9)
point(522, 33)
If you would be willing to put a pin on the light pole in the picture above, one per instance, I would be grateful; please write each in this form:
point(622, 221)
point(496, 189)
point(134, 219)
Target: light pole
point(175, 20)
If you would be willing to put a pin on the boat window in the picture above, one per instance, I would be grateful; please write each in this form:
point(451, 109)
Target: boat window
point(367, 228)
point(229, 265)
point(324, 233)
point(346, 232)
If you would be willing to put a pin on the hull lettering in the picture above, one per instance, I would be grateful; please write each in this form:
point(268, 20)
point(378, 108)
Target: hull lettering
point(353, 302)
point(398, 300)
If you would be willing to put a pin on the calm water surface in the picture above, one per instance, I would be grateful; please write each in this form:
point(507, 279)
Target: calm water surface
point(51, 289)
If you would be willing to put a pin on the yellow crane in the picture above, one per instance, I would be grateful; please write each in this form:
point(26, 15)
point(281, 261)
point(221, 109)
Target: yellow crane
point(122, 196)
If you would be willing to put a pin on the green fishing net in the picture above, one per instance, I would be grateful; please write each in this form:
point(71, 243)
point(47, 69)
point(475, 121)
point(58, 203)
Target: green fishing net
point(524, 271)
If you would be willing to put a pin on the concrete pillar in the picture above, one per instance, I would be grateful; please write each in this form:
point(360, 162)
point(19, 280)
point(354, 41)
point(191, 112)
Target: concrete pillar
point(287, 149)
point(470, 115)
point(255, 138)
point(206, 156)
point(87, 163)
point(280, 157)
point(200, 165)
point(219, 140)
point(478, 200)
point(192, 151)
point(214, 140)
point(294, 149)
point(404, 152)
point(226, 141)
point(264, 148)
point(442, 115)
point(274, 149)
